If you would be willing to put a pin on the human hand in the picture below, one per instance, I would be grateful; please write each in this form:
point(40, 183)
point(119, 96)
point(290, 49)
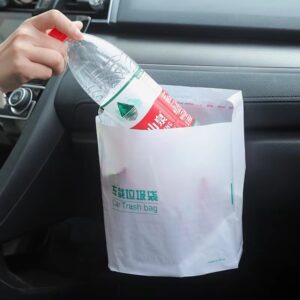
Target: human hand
point(29, 53)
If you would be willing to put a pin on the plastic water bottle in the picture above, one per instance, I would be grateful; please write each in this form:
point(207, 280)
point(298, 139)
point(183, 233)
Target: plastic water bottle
point(125, 92)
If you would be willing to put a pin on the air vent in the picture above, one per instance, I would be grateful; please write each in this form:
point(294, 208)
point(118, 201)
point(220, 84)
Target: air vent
point(97, 9)
point(18, 5)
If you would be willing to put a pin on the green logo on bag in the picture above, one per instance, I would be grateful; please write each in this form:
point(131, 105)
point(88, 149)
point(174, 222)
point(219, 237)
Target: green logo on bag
point(135, 201)
point(130, 194)
point(127, 111)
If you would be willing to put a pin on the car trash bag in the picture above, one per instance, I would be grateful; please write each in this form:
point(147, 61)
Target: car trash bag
point(172, 199)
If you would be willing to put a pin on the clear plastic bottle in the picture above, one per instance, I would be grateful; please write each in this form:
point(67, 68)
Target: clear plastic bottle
point(126, 93)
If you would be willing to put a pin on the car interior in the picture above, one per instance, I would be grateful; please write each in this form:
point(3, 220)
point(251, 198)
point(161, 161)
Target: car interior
point(52, 238)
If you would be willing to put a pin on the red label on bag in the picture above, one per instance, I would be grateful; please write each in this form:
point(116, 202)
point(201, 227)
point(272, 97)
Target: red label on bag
point(165, 113)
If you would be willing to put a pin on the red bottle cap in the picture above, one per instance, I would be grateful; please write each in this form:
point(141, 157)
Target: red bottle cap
point(58, 35)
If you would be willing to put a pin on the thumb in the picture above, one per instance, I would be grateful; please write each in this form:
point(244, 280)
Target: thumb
point(78, 24)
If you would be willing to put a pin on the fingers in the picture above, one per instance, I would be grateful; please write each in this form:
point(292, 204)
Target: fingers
point(40, 71)
point(54, 18)
point(44, 41)
point(26, 70)
point(49, 58)
point(39, 48)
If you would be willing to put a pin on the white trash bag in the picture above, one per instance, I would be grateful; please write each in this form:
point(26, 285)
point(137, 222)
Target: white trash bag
point(172, 199)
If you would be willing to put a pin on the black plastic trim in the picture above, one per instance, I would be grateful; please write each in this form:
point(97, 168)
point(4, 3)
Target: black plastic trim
point(39, 141)
point(254, 14)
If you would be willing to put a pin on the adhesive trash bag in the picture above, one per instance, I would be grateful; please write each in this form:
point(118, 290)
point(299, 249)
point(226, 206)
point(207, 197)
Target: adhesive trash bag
point(173, 198)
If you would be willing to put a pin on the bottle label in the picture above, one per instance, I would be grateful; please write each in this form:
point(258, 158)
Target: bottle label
point(142, 104)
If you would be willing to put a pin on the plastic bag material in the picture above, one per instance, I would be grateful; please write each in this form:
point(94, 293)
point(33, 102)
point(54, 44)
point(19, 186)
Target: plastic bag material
point(172, 199)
